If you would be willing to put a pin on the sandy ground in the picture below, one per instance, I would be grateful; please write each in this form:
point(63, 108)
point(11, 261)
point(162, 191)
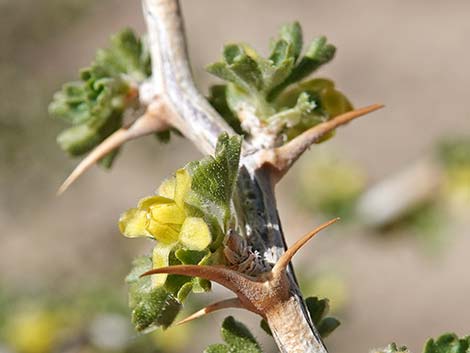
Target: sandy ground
point(410, 55)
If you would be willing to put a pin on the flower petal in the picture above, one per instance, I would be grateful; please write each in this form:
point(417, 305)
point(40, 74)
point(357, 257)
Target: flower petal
point(162, 232)
point(183, 185)
point(146, 202)
point(195, 234)
point(133, 223)
point(167, 213)
point(167, 188)
point(160, 258)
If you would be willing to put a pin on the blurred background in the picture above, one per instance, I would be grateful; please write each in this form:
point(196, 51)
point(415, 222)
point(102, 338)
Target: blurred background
point(395, 269)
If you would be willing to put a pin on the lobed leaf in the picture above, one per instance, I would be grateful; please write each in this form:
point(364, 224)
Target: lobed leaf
point(256, 86)
point(151, 306)
point(448, 343)
point(213, 178)
point(238, 339)
point(95, 104)
point(218, 99)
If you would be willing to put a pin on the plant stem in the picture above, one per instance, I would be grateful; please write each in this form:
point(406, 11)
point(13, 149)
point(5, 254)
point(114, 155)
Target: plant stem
point(291, 324)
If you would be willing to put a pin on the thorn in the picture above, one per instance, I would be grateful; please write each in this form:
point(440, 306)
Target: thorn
point(286, 155)
point(290, 252)
point(224, 304)
point(228, 278)
point(144, 125)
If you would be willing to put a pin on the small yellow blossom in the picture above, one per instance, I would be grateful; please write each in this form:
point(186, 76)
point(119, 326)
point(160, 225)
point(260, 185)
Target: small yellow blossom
point(165, 218)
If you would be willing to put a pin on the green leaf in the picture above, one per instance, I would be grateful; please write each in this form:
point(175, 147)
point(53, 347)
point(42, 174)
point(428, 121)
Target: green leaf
point(95, 104)
point(218, 99)
point(237, 337)
point(191, 257)
point(151, 306)
point(329, 103)
point(255, 84)
point(318, 308)
point(303, 111)
point(327, 326)
point(213, 178)
point(318, 54)
point(448, 343)
point(243, 66)
point(292, 34)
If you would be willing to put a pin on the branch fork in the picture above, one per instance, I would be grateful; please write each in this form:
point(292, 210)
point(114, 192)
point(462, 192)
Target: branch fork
point(264, 294)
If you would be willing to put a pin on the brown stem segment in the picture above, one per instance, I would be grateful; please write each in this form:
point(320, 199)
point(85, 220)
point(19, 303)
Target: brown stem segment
point(226, 277)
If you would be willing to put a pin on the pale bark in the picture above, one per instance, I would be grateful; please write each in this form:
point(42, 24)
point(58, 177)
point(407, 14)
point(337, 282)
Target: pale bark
point(293, 329)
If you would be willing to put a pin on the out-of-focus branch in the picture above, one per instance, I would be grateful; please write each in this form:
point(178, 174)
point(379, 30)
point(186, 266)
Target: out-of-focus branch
point(394, 197)
point(285, 156)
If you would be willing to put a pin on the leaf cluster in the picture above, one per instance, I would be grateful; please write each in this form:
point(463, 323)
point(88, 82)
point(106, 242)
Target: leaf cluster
point(237, 338)
point(446, 343)
point(95, 104)
point(257, 84)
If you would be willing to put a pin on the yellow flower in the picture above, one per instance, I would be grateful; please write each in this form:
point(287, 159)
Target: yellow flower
point(165, 218)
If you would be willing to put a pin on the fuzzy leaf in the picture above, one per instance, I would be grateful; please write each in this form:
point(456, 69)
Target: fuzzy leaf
point(95, 104)
point(318, 54)
point(329, 103)
point(302, 113)
point(237, 337)
point(292, 34)
point(218, 99)
point(256, 84)
point(151, 306)
point(213, 178)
